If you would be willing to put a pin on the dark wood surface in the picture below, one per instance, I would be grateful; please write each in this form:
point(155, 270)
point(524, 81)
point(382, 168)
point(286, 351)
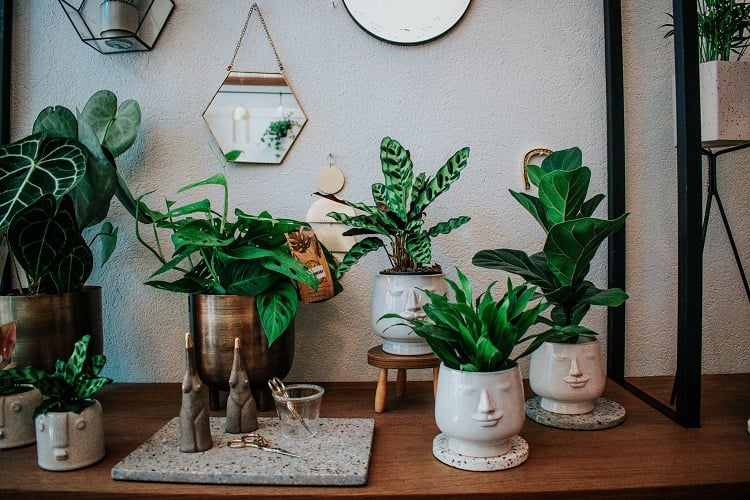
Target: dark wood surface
point(647, 456)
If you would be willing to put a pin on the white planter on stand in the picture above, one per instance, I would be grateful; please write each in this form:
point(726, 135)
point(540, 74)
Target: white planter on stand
point(68, 441)
point(725, 103)
point(568, 380)
point(403, 294)
point(17, 418)
point(480, 415)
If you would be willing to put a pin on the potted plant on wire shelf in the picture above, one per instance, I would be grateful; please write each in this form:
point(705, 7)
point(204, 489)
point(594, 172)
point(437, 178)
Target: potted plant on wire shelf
point(479, 403)
point(567, 371)
point(397, 218)
point(241, 280)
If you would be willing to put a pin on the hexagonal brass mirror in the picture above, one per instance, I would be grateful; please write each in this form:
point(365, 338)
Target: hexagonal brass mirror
point(256, 113)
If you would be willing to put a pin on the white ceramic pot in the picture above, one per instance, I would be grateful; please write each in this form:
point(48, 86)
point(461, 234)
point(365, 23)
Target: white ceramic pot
point(68, 441)
point(17, 418)
point(402, 294)
point(479, 412)
point(118, 18)
point(725, 102)
point(568, 377)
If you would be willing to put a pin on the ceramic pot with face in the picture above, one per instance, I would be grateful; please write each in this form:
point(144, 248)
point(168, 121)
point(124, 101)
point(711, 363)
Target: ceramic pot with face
point(68, 441)
point(568, 377)
point(479, 412)
point(17, 417)
point(402, 293)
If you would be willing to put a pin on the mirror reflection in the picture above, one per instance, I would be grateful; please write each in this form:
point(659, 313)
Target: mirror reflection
point(256, 113)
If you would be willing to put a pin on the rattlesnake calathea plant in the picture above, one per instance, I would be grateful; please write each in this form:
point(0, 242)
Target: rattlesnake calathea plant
point(573, 236)
point(72, 384)
point(397, 214)
point(59, 181)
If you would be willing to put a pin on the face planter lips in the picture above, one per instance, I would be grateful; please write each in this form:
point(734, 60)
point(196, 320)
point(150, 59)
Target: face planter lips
point(576, 382)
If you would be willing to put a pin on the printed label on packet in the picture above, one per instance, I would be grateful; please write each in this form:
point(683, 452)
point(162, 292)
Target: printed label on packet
point(305, 247)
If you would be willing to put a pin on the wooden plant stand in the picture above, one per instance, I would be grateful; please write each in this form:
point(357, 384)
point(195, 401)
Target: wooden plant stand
point(380, 359)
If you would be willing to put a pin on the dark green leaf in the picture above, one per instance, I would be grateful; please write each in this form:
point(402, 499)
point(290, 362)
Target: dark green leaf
point(115, 128)
point(562, 193)
point(565, 159)
point(277, 308)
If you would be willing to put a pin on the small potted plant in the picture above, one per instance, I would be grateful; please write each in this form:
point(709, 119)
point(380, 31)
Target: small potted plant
point(397, 217)
point(241, 279)
point(61, 180)
point(479, 404)
point(277, 131)
point(723, 38)
point(17, 401)
point(69, 422)
point(567, 370)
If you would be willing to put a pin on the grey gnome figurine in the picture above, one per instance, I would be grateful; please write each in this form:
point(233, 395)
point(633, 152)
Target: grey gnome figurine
point(242, 414)
point(195, 428)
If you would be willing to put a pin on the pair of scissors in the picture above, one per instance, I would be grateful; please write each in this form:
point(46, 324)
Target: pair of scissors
point(278, 388)
point(255, 440)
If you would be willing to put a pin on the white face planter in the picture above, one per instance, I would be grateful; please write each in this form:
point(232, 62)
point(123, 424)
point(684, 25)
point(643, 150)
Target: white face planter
point(67, 440)
point(568, 377)
point(16, 418)
point(402, 294)
point(479, 412)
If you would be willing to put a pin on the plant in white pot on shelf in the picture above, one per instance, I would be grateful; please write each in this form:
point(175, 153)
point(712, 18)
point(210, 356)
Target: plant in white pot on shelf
point(723, 39)
point(17, 400)
point(567, 371)
point(397, 217)
point(69, 422)
point(479, 403)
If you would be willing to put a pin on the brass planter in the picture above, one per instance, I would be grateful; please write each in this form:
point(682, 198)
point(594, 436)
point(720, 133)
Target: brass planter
point(215, 321)
point(49, 325)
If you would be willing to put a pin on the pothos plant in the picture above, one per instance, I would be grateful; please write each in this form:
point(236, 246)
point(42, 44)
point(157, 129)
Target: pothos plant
point(479, 335)
point(276, 131)
point(573, 236)
point(59, 181)
point(397, 214)
point(72, 384)
point(215, 255)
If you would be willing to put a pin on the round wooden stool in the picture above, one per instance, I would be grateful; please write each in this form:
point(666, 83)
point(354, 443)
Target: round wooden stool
point(377, 357)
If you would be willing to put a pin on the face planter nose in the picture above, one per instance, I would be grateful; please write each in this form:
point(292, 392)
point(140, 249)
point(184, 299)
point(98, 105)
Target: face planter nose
point(487, 414)
point(413, 308)
point(58, 432)
point(576, 379)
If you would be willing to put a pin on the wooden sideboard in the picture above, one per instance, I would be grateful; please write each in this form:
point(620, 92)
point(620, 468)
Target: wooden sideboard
point(647, 456)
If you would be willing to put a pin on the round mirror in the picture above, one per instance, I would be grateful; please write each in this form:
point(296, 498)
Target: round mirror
point(406, 22)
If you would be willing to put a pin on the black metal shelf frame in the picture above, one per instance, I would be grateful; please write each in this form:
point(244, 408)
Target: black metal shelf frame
point(689, 189)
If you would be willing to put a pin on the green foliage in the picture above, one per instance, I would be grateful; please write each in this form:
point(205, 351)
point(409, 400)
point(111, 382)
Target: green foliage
point(72, 384)
point(71, 161)
point(276, 132)
point(573, 237)
point(723, 29)
point(248, 256)
point(398, 211)
point(478, 335)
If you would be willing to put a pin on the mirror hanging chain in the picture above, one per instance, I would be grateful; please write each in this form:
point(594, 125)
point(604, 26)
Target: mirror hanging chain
point(255, 7)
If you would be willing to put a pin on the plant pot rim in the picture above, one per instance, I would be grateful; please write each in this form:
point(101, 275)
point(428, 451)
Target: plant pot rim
point(386, 272)
point(20, 389)
point(84, 290)
point(583, 339)
point(444, 366)
point(92, 403)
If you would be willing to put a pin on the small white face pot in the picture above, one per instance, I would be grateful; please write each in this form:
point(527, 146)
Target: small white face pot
point(68, 441)
point(17, 418)
point(402, 294)
point(568, 377)
point(479, 412)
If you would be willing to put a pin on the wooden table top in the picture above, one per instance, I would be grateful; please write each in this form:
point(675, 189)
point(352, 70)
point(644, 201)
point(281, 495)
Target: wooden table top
point(648, 455)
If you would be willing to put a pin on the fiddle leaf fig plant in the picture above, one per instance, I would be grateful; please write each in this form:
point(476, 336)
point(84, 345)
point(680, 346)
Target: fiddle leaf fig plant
point(63, 177)
point(478, 335)
point(215, 255)
point(398, 209)
point(573, 237)
point(72, 384)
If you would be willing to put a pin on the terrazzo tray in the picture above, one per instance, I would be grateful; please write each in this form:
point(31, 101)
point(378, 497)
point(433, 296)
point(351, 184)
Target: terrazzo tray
point(338, 455)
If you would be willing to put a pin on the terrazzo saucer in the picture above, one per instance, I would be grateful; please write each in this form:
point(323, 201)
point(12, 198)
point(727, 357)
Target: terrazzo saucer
point(517, 455)
point(606, 414)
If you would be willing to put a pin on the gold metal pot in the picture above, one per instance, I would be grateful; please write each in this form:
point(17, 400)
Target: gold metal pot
point(215, 321)
point(49, 325)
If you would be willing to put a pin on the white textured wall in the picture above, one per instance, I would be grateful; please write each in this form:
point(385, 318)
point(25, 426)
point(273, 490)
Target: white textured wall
point(512, 76)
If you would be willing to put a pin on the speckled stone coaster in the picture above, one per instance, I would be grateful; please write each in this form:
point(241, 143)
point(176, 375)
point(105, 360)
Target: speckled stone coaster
point(338, 455)
point(517, 455)
point(605, 414)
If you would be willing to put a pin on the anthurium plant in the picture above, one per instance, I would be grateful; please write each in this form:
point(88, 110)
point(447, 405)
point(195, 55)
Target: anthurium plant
point(573, 237)
point(397, 214)
point(59, 181)
point(70, 387)
point(479, 335)
point(215, 255)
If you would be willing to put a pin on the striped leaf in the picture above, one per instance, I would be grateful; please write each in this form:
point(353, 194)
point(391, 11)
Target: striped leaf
point(398, 173)
point(445, 176)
